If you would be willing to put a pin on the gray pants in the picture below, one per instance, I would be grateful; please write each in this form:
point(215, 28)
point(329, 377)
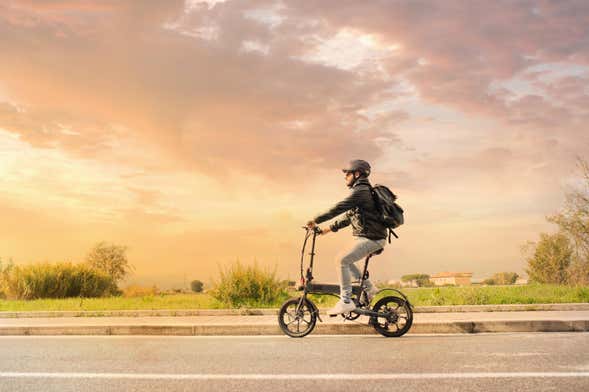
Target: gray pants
point(361, 248)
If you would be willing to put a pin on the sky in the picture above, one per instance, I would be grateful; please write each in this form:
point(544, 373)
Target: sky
point(198, 133)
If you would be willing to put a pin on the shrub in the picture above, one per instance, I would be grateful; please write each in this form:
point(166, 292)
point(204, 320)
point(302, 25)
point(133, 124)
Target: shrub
point(504, 278)
point(135, 290)
point(59, 280)
point(549, 259)
point(196, 286)
point(422, 280)
point(241, 285)
point(5, 269)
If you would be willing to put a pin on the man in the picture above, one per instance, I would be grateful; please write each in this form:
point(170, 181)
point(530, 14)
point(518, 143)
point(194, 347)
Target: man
point(369, 232)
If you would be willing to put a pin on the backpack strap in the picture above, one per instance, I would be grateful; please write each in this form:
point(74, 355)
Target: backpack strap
point(393, 233)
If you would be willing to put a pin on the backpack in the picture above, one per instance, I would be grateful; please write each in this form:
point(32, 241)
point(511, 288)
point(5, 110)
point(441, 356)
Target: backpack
point(390, 213)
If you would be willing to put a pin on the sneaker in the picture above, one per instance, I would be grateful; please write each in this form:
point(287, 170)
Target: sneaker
point(371, 293)
point(342, 307)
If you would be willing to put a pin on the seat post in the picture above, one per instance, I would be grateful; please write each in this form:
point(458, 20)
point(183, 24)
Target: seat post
point(365, 272)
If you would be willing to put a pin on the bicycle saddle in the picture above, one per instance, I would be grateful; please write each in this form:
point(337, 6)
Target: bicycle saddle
point(377, 252)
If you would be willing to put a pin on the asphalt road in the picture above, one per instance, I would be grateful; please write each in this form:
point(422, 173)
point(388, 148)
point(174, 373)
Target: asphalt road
point(482, 362)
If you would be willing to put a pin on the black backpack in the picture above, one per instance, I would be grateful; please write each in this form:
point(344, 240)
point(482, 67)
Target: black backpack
point(390, 213)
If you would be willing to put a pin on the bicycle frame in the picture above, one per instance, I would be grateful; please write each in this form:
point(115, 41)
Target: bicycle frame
point(332, 289)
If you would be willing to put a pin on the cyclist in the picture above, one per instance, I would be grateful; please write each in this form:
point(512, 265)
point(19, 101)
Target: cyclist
point(368, 231)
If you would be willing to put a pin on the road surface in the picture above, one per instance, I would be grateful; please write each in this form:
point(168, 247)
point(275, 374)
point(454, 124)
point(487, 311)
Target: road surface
point(482, 362)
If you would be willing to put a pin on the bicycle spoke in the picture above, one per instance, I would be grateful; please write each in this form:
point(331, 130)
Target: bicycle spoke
point(290, 317)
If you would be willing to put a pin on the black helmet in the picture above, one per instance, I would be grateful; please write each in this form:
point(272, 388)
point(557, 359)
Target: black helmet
point(358, 165)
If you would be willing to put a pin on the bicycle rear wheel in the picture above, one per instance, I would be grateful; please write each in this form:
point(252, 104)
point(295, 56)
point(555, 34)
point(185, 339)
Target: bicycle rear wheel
point(297, 321)
point(398, 319)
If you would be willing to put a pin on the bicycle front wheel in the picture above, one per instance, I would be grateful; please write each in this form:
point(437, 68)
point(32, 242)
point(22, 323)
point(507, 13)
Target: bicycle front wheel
point(297, 317)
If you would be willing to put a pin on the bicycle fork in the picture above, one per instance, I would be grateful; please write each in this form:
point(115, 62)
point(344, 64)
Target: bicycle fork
point(312, 305)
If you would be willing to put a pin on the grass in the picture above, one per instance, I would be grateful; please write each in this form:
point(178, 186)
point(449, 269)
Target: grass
point(496, 295)
point(150, 302)
point(430, 296)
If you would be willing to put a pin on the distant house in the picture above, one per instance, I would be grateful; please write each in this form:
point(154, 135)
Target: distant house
point(521, 281)
point(451, 278)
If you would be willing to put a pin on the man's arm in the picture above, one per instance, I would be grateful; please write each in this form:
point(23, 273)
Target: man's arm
point(347, 204)
point(339, 224)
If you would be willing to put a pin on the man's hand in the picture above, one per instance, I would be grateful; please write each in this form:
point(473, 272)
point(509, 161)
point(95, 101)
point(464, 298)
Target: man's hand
point(325, 231)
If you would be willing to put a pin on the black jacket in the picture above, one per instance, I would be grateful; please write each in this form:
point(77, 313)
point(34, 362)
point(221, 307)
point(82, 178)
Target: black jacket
point(360, 212)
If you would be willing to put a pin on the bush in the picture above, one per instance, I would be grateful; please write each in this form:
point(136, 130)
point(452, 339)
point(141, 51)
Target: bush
point(135, 290)
point(196, 286)
point(422, 280)
point(250, 286)
point(549, 259)
point(503, 278)
point(59, 280)
point(5, 269)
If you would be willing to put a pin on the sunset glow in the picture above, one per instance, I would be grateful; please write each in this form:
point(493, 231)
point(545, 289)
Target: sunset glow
point(202, 132)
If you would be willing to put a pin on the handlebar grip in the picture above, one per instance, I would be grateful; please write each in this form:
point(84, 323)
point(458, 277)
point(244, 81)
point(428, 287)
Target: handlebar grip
point(316, 229)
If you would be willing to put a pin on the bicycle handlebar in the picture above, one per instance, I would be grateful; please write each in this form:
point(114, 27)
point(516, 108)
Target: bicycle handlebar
point(316, 229)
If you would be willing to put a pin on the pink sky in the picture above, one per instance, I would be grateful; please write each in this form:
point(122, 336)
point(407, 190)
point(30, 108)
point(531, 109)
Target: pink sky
point(197, 133)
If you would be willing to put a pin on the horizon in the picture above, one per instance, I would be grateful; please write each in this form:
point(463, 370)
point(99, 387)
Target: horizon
point(201, 132)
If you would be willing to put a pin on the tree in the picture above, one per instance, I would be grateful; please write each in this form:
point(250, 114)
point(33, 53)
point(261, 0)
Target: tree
point(110, 259)
point(504, 278)
point(550, 259)
point(196, 286)
point(573, 222)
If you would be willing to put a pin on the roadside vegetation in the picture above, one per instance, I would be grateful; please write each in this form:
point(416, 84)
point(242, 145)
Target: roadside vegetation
point(99, 275)
point(242, 285)
point(558, 270)
point(563, 257)
point(422, 296)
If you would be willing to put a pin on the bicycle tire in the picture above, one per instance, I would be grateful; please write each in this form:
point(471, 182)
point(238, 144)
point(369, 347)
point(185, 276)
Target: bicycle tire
point(401, 311)
point(306, 316)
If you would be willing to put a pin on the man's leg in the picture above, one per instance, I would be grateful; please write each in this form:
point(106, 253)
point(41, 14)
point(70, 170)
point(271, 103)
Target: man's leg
point(357, 274)
point(362, 248)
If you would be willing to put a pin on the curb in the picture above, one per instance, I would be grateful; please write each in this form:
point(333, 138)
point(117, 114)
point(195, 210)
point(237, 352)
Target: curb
point(455, 327)
point(274, 311)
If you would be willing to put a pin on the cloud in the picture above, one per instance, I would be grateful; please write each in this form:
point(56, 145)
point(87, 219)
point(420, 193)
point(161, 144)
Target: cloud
point(206, 104)
point(83, 70)
point(171, 115)
point(452, 52)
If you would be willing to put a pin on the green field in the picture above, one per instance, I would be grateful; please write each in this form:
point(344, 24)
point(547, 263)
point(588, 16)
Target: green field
point(474, 295)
